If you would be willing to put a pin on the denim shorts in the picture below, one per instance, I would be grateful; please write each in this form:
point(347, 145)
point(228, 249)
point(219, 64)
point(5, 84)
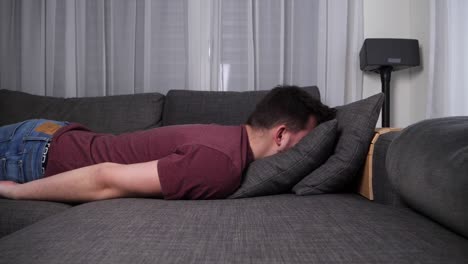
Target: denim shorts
point(22, 148)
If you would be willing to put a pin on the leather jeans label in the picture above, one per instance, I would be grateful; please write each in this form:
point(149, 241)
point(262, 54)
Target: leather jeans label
point(48, 128)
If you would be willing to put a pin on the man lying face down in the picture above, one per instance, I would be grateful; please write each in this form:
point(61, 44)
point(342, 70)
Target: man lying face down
point(61, 161)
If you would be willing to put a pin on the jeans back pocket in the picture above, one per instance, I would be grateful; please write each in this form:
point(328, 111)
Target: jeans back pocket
point(12, 169)
point(11, 161)
point(7, 132)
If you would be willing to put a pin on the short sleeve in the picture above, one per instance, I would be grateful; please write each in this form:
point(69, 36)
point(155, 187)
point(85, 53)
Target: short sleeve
point(198, 172)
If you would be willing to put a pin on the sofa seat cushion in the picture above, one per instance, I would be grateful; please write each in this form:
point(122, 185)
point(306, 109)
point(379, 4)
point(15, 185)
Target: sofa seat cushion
point(331, 228)
point(428, 166)
point(106, 114)
point(15, 215)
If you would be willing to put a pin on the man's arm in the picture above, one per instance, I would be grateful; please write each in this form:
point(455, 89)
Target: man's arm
point(96, 182)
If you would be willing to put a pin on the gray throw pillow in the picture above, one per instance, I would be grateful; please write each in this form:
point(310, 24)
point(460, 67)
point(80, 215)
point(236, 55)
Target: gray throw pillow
point(356, 126)
point(278, 173)
point(428, 166)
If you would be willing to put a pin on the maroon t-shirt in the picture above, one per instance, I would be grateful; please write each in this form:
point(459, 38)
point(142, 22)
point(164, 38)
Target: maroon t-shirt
point(195, 161)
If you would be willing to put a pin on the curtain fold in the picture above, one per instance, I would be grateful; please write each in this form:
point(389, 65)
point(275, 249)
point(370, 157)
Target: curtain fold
point(333, 38)
point(448, 73)
point(107, 47)
point(355, 38)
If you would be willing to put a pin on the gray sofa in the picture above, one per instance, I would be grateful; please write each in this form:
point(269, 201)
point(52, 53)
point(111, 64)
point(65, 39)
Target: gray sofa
point(341, 227)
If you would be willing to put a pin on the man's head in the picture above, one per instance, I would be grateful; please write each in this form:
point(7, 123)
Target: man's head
point(283, 117)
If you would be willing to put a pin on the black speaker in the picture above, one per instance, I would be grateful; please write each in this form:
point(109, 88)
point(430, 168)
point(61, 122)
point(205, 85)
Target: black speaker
point(384, 56)
point(397, 53)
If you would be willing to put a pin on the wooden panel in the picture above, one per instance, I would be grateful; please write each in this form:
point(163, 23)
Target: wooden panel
point(365, 185)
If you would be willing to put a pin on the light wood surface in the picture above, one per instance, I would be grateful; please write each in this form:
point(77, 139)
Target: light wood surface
point(365, 186)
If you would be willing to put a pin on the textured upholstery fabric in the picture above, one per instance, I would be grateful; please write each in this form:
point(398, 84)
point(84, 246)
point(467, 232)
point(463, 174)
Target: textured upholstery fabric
point(428, 165)
point(331, 228)
point(356, 124)
point(15, 215)
point(279, 173)
point(384, 192)
point(204, 107)
point(107, 114)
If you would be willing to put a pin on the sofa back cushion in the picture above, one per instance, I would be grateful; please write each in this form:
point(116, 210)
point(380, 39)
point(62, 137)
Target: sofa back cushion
point(108, 114)
point(205, 107)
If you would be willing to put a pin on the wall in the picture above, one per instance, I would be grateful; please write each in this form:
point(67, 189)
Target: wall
point(400, 19)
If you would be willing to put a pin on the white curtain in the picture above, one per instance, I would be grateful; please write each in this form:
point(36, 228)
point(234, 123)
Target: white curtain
point(259, 44)
point(448, 54)
point(93, 47)
point(102, 47)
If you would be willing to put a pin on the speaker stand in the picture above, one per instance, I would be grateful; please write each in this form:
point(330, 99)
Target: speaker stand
point(385, 76)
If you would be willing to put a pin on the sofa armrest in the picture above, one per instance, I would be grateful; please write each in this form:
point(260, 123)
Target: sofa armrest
point(375, 184)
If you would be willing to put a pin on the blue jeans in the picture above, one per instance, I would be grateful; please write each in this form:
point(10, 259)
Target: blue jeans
point(22, 147)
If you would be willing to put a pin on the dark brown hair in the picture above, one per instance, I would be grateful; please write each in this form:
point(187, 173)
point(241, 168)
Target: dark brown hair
point(289, 105)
